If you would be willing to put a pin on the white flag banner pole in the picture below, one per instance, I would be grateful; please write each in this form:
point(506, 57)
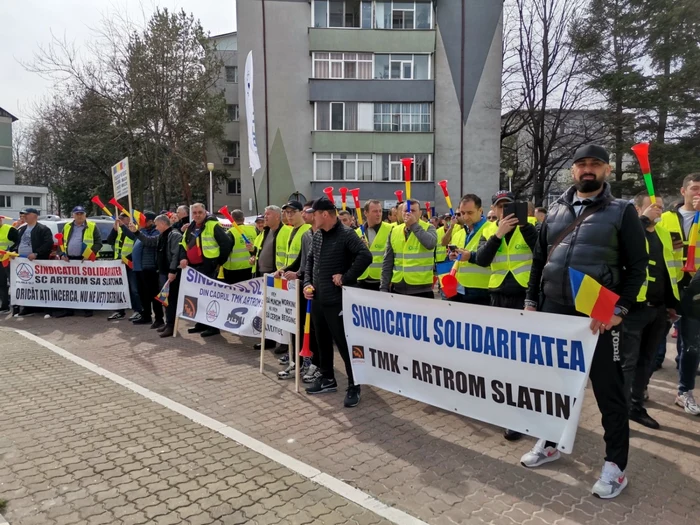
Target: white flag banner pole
point(253, 157)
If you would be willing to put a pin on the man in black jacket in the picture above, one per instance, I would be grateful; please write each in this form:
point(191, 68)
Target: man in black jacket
point(338, 257)
point(589, 230)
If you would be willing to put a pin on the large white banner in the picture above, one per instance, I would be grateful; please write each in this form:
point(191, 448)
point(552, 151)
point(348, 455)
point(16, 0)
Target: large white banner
point(525, 371)
point(235, 308)
point(95, 285)
point(250, 115)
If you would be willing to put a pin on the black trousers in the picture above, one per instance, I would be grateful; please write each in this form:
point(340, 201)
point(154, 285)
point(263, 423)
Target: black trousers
point(365, 285)
point(473, 296)
point(425, 295)
point(512, 301)
point(149, 287)
point(237, 276)
point(329, 329)
point(608, 387)
point(171, 309)
point(643, 330)
point(4, 288)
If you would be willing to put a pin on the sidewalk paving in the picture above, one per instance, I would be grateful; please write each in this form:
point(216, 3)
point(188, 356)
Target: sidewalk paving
point(78, 448)
point(437, 466)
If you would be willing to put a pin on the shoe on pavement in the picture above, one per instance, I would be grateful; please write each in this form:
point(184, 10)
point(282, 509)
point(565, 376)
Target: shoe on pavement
point(135, 316)
point(268, 345)
point(162, 328)
point(116, 315)
point(352, 396)
point(5, 310)
point(209, 332)
point(539, 455)
point(322, 386)
point(282, 349)
point(197, 329)
point(143, 320)
point(167, 331)
point(284, 360)
point(646, 394)
point(59, 315)
point(87, 313)
point(158, 323)
point(612, 481)
point(511, 435)
point(287, 372)
point(310, 375)
point(640, 415)
point(687, 401)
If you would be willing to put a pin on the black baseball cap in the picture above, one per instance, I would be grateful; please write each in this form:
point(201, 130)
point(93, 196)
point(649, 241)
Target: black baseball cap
point(259, 218)
point(592, 151)
point(30, 210)
point(323, 204)
point(150, 216)
point(502, 195)
point(123, 214)
point(294, 205)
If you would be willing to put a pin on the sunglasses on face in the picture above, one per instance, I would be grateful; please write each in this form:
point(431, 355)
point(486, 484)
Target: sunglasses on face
point(492, 217)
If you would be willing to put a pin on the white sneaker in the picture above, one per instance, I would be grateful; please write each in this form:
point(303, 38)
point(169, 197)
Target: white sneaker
point(539, 455)
point(310, 375)
point(612, 481)
point(287, 372)
point(687, 401)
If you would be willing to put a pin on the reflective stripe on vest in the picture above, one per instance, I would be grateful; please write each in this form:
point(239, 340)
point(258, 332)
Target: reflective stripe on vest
point(126, 247)
point(471, 275)
point(239, 259)
point(440, 250)
point(674, 265)
point(294, 247)
point(514, 257)
point(4, 240)
point(671, 223)
point(413, 263)
point(88, 236)
point(378, 248)
point(280, 247)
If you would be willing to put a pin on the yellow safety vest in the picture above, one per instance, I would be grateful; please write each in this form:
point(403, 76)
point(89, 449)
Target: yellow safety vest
point(413, 263)
point(4, 240)
point(440, 250)
point(378, 247)
point(671, 223)
point(674, 265)
point(122, 249)
point(294, 246)
point(468, 274)
point(239, 259)
point(532, 220)
point(88, 236)
point(280, 247)
point(206, 240)
point(514, 257)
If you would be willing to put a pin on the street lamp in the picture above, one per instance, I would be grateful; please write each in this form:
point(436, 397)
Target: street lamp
point(210, 167)
point(510, 180)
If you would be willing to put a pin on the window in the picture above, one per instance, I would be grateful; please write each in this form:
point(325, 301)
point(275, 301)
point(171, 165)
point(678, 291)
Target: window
point(232, 74)
point(391, 169)
point(402, 67)
point(343, 166)
point(5, 201)
point(343, 13)
point(402, 117)
point(416, 14)
point(233, 148)
point(343, 65)
point(233, 187)
point(336, 116)
point(32, 201)
point(232, 110)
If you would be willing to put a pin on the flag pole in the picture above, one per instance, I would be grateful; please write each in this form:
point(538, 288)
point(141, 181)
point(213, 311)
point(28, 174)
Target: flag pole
point(255, 193)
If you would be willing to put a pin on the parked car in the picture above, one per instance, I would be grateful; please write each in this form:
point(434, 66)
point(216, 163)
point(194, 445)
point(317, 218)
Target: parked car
point(104, 225)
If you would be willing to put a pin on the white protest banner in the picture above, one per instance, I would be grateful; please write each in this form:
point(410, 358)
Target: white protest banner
point(120, 179)
point(98, 285)
point(525, 371)
point(254, 159)
point(235, 308)
point(281, 304)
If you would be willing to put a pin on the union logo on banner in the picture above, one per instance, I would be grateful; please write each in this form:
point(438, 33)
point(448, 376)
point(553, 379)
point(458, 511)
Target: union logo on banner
point(213, 310)
point(24, 272)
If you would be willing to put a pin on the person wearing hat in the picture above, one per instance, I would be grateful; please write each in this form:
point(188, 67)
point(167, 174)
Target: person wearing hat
point(147, 277)
point(8, 238)
point(123, 245)
point(238, 268)
point(588, 229)
point(338, 257)
point(260, 223)
point(376, 235)
point(19, 222)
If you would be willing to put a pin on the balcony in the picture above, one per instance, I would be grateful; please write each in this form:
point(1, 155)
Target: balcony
point(371, 142)
point(332, 90)
point(372, 40)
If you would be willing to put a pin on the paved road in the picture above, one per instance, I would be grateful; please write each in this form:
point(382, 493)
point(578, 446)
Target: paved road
point(78, 448)
point(440, 467)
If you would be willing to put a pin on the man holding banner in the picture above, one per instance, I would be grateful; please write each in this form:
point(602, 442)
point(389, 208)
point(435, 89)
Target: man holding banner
point(375, 235)
point(8, 237)
point(591, 231)
point(338, 257)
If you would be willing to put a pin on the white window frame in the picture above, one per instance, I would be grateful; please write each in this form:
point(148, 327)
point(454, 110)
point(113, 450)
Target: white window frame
point(233, 179)
point(357, 61)
point(373, 24)
point(6, 201)
point(399, 167)
point(236, 149)
point(235, 81)
point(412, 62)
point(236, 112)
point(330, 116)
point(32, 203)
point(354, 159)
point(415, 112)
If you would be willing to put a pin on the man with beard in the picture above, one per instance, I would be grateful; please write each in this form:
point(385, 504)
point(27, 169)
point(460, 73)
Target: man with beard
point(591, 231)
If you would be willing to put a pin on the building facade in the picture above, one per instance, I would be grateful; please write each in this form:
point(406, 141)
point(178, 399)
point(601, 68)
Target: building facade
point(344, 89)
point(227, 157)
point(14, 197)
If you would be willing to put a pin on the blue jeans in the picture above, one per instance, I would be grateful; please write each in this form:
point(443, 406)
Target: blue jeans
point(134, 290)
point(689, 352)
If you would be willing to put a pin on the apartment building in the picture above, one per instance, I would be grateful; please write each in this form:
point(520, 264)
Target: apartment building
point(344, 89)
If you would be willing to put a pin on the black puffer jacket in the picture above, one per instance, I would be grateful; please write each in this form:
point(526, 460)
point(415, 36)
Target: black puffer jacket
point(338, 250)
point(609, 246)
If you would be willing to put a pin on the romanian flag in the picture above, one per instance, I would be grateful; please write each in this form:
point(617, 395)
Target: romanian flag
point(129, 263)
point(139, 219)
point(88, 254)
point(272, 282)
point(5, 259)
point(591, 298)
point(162, 296)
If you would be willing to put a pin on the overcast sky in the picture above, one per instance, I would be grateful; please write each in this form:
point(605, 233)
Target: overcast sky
point(27, 24)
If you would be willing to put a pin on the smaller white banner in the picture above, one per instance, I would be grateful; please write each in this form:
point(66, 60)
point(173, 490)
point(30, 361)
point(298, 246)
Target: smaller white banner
point(235, 308)
point(281, 304)
point(98, 285)
point(254, 159)
point(120, 179)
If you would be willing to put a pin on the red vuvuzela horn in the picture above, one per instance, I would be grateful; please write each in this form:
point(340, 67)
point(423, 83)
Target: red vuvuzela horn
point(399, 195)
point(329, 193)
point(343, 195)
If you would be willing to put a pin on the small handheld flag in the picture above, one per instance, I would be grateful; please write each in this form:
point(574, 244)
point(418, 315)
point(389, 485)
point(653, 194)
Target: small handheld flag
point(306, 346)
point(6, 257)
point(692, 244)
point(276, 282)
point(343, 196)
point(641, 151)
point(96, 200)
point(129, 263)
point(139, 219)
point(591, 298)
point(407, 164)
point(88, 254)
point(443, 185)
point(224, 211)
point(164, 293)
